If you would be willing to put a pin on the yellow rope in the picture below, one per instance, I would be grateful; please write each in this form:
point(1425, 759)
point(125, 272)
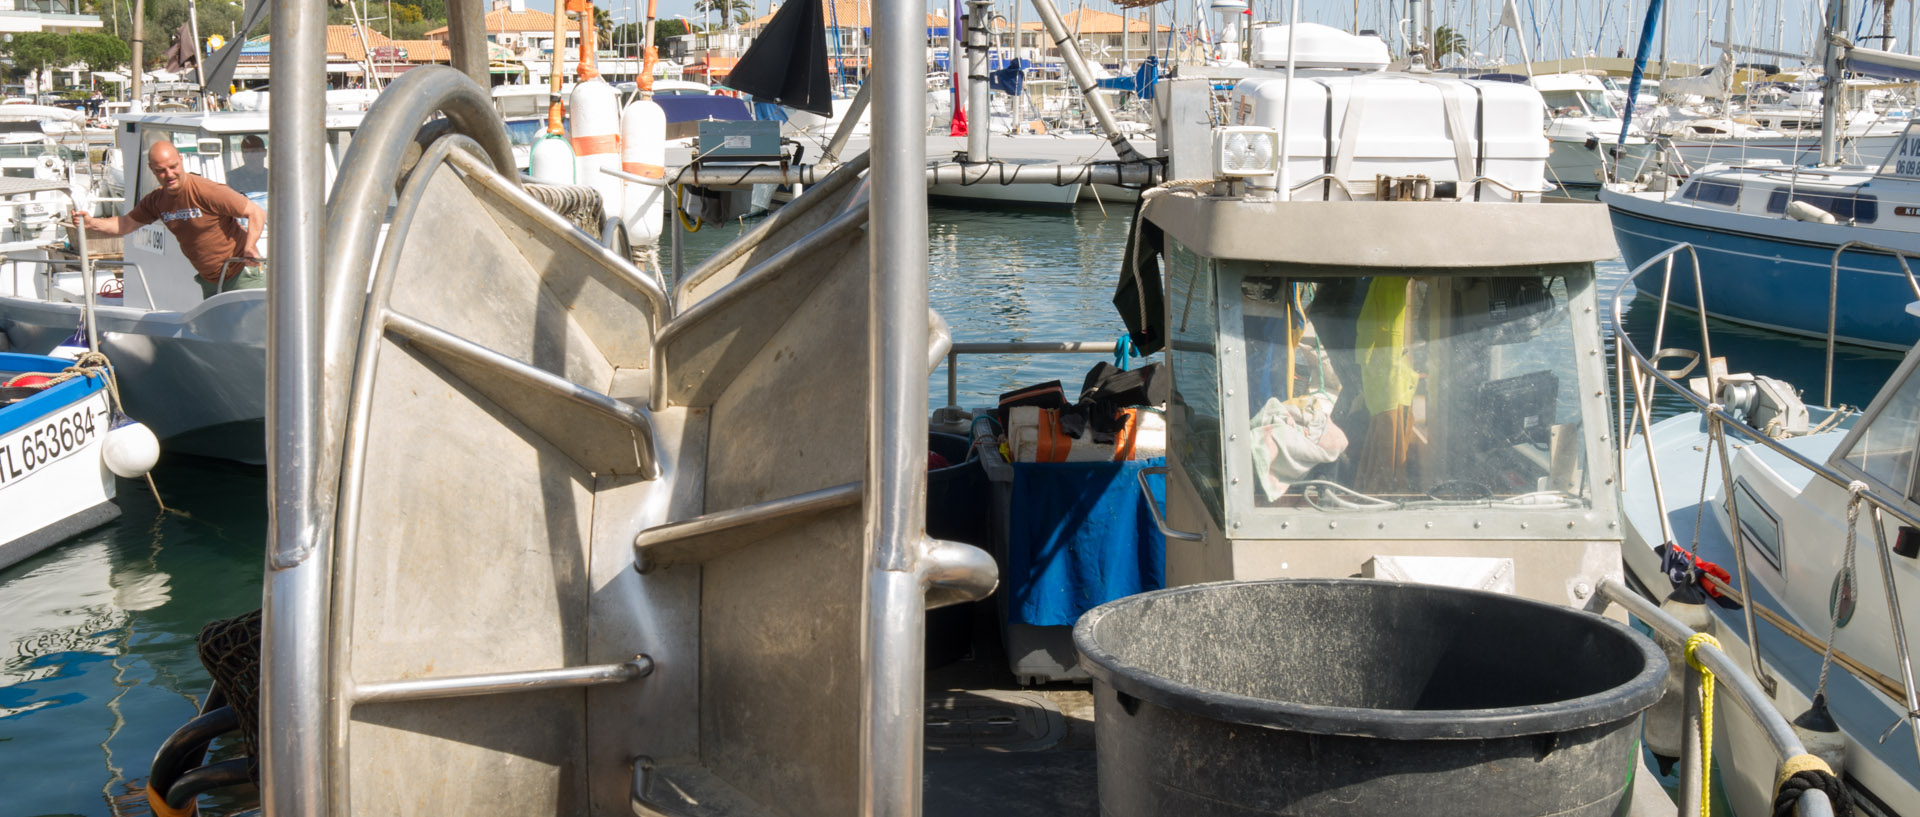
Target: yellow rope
point(1706, 720)
point(692, 226)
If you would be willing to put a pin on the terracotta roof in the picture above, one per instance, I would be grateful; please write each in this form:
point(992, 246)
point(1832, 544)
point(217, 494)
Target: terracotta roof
point(425, 50)
point(346, 40)
point(1090, 21)
point(849, 14)
point(509, 20)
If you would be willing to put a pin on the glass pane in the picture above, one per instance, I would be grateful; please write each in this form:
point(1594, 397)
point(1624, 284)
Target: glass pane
point(1885, 448)
point(1756, 524)
point(246, 161)
point(1196, 373)
point(1412, 392)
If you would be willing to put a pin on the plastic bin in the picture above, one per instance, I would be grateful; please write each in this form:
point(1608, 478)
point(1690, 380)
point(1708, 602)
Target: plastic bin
point(1355, 697)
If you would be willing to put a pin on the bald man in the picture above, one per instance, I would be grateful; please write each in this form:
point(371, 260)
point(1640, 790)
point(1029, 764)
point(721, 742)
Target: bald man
point(205, 216)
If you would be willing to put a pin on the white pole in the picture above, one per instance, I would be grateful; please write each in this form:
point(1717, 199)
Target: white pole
point(1285, 186)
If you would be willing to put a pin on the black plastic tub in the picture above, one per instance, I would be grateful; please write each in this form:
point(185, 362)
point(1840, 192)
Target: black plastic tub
point(1355, 697)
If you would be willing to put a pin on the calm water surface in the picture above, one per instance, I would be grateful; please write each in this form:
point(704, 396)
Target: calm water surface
point(97, 655)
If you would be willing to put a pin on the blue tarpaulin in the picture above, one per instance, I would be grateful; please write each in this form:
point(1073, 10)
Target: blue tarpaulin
point(1142, 81)
point(1011, 79)
point(1080, 535)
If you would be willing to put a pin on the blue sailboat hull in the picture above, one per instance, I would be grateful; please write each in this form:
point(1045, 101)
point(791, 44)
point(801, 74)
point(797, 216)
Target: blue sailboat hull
point(1776, 282)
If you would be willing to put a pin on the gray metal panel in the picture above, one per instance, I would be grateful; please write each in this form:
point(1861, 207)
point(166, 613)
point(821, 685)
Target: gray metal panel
point(705, 347)
point(460, 271)
point(1419, 235)
point(498, 586)
point(1184, 105)
point(781, 620)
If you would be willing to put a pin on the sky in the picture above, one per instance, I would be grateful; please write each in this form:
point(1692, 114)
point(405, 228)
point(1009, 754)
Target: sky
point(1553, 28)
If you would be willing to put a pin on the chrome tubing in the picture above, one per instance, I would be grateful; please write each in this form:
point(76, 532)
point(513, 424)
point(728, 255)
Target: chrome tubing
point(1083, 78)
point(1159, 519)
point(1065, 347)
point(295, 727)
point(1117, 173)
point(851, 120)
point(978, 14)
point(839, 178)
point(1736, 684)
point(1707, 408)
point(893, 524)
point(504, 683)
point(1833, 296)
point(1898, 622)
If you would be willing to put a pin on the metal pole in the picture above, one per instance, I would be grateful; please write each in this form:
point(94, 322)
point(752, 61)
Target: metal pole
point(1070, 52)
point(467, 40)
point(1830, 83)
point(977, 88)
point(295, 721)
point(139, 46)
point(1688, 795)
point(1899, 627)
point(199, 58)
point(893, 525)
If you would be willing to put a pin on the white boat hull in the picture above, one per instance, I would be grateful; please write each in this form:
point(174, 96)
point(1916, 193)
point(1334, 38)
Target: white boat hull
point(52, 482)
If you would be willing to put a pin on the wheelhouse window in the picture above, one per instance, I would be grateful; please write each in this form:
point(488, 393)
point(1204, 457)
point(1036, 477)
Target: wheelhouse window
point(1194, 357)
point(1409, 392)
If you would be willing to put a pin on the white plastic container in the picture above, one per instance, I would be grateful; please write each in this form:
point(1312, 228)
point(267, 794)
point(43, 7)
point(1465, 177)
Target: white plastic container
point(1447, 129)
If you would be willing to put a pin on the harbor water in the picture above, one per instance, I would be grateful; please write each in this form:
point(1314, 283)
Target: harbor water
point(98, 634)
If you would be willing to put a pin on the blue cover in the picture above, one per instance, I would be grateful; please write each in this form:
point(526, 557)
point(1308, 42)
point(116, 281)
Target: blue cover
point(1142, 81)
point(1080, 535)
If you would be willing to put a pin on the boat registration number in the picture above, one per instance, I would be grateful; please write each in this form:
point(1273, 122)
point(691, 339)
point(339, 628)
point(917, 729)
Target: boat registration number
point(48, 440)
point(1906, 211)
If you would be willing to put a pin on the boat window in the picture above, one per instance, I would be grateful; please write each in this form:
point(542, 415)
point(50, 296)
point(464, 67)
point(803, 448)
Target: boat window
point(1846, 207)
point(1404, 392)
point(1196, 372)
point(1759, 528)
point(245, 158)
point(1711, 192)
point(1578, 103)
point(1884, 448)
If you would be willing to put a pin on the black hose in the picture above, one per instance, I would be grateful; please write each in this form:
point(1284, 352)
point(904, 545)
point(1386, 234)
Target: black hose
point(207, 778)
point(187, 746)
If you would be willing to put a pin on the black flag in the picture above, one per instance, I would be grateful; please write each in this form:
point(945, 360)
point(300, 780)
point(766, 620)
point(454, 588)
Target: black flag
point(788, 61)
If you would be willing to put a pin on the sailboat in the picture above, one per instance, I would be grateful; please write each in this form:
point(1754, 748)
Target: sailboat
point(1796, 249)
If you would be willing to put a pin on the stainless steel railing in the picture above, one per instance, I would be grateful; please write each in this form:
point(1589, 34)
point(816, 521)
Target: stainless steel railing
point(1639, 372)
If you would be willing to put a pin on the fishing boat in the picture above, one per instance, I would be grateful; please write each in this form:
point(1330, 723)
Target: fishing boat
point(54, 480)
point(1813, 593)
point(191, 368)
point(694, 577)
point(1584, 128)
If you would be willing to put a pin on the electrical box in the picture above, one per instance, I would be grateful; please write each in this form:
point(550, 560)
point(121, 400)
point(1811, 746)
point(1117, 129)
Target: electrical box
point(745, 141)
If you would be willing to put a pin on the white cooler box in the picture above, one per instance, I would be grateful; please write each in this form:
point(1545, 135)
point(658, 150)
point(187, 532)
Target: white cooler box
point(1359, 126)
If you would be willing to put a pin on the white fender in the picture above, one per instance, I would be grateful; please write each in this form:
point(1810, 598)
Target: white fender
point(130, 450)
point(643, 152)
point(595, 127)
point(552, 160)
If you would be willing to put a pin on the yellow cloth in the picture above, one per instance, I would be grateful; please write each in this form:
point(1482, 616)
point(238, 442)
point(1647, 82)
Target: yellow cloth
point(1387, 378)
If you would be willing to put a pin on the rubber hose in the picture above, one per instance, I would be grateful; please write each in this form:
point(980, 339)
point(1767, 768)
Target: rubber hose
point(203, 779)
point(187, 746)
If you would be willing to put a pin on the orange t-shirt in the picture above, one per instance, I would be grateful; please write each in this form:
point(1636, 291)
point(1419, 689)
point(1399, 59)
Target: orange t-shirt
point(204, 217)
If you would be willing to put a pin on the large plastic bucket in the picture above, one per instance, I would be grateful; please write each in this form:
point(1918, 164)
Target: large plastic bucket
point(1354, 697)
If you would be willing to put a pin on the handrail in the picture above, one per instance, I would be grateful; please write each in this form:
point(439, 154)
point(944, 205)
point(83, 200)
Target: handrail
point(97, 263)
point(1159, 519)
point(1065, 347)
point(1732, 681)
point(1833, 296)
point(1718, 419)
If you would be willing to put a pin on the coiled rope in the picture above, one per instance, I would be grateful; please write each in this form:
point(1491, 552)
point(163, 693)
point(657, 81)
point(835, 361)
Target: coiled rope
point(1800, 773)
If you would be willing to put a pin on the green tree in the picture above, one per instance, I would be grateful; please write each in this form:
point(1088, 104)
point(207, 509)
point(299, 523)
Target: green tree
point(724, 9)
point(34, 50)
point(99, 52)
point(1447, 42)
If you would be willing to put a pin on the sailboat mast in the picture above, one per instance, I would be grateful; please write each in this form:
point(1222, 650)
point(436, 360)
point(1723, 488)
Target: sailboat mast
point(1830, 83)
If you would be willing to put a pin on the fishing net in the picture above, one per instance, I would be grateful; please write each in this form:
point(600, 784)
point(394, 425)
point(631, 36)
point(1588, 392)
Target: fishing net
point(230, 650)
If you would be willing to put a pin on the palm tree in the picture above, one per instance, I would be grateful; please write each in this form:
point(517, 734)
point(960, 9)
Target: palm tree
point(1447, 42)
point(726, 9)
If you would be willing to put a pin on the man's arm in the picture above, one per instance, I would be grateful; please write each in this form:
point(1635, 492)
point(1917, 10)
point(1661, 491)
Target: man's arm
point(109, 226)
point(256, 222)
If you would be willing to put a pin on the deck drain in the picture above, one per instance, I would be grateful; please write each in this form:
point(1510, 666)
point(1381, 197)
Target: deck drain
point(1002, 720)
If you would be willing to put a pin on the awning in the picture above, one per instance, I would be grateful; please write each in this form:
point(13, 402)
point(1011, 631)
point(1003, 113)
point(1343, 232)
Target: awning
point(111, 76)
point(353, 68)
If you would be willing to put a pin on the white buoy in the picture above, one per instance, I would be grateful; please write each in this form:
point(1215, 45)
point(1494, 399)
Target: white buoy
point(643, 152)
point(130, 450)
point(552, 160)
point(594, 113)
